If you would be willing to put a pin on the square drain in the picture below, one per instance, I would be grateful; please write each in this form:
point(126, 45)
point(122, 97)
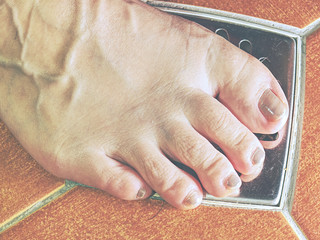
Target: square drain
point(281, 51)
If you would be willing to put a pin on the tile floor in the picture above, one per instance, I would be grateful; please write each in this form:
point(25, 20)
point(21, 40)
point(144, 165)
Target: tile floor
point(37, 205)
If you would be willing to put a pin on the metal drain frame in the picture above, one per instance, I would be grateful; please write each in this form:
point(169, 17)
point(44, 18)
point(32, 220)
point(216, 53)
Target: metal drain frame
point(295, 128)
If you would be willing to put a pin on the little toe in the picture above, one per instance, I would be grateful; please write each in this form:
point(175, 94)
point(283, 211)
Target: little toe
point(216, 173)
point(216, 123)
point(117, 179)
point(174, 185)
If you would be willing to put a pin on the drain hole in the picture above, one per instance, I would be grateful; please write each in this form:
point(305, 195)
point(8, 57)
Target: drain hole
point(246, 46)
point(223, 33)
point(266, 61)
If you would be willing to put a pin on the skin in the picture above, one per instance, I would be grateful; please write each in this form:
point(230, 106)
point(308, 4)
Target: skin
point(107, 93)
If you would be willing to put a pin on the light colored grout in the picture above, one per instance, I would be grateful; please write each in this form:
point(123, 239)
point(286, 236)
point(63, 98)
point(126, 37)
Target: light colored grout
point(295, 227)
point(58, 192)
point(311, 28)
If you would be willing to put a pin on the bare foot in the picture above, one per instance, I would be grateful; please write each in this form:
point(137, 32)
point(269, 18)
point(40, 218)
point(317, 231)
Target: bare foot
point(106, 92)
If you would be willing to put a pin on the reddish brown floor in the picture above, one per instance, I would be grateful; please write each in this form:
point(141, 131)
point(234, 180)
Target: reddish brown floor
point(87, 213)
point(307, 198)
point(22, 181)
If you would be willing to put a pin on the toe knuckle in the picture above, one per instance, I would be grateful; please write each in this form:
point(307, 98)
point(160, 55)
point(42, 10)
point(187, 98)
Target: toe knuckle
point(218, 122)
point(216, 162)
point(158, 175)
point(161, 175)
point(193, 149)
point(161, 180)
point(115, 185)
point(240, 139)
point(173, 184)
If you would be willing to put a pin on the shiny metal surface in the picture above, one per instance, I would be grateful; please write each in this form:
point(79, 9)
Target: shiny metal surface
point(277, 49)
point(277, 52)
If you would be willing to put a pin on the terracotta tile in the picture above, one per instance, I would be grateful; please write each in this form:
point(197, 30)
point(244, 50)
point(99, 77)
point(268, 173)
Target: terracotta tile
point(87, 213)
point(295, 12)
point(306, 208)
point(22, 180)
point(90, 214)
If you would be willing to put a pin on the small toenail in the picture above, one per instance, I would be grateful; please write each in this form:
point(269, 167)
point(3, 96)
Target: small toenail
point(271, 106)
point(141, 193)
point(258, 156)
point(233, 182)
point(193, 199)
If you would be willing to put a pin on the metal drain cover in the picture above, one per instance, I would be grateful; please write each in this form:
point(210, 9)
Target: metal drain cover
point(278, 51)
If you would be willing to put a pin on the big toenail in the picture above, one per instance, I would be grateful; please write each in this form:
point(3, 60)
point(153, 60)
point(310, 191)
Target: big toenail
point(258, 156)
point(234, 181)
point(271, 106)
point(193, 199)
point(141, 193)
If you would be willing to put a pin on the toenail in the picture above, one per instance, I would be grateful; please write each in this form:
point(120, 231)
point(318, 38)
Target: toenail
point(271, 106)
point(234, 181)
point(141, 193)
point(193, 199)
point(258, 156)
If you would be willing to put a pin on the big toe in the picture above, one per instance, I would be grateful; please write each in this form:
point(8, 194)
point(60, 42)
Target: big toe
point(250, 91)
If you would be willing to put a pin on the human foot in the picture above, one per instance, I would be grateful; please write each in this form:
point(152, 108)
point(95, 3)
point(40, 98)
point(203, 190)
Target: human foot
point(106, 92)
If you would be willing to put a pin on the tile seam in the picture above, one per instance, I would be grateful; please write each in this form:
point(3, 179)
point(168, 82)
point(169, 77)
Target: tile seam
point(32, 208)
point(311, 28)
point(294, 225)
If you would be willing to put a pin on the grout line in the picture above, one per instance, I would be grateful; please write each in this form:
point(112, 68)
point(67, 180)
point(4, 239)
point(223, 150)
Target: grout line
point(295, 227)
point(311, 28)
point(58, 192)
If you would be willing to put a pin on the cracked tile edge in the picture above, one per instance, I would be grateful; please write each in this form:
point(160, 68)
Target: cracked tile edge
point(32, 208)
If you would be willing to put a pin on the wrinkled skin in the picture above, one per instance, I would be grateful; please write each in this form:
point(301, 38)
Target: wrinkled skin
point(106, 92)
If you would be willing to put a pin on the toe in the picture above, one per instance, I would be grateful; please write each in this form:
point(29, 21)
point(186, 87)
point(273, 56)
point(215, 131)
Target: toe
point(174, 185)
point(99, 171)
point(215, 122)
point(250, 91)
point(216, 173)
